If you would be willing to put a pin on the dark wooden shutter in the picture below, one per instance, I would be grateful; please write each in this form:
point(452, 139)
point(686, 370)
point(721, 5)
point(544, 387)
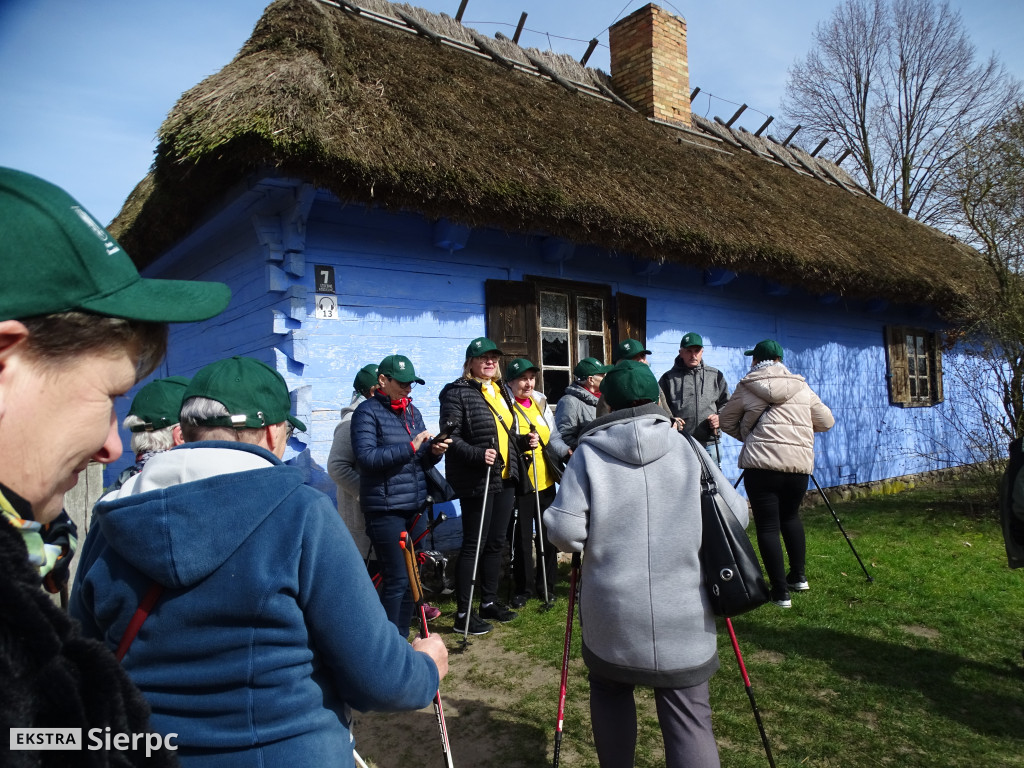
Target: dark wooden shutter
point(513, 322)
point(630, 318)
point(936, 364)
point(896, 357)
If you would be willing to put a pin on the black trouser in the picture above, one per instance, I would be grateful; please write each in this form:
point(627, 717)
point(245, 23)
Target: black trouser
point(775, 502)
point(495, 523)
point(525, 575)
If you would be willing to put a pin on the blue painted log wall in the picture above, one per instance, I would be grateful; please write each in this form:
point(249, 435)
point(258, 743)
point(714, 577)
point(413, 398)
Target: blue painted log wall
point(398, 292)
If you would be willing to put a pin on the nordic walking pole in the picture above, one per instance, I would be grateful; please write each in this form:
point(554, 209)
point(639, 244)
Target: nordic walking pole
point(408, 549)
point(750, 692)
point(843, 530)
point(540, 531)
point(360, 763)
point(476, 555)
point(573, 578)
point(512, 551)
point(738, 479)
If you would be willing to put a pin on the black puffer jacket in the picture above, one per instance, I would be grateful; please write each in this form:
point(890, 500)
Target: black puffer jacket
point(474, 430)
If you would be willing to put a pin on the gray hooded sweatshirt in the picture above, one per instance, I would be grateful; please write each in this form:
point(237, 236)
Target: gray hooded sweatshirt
point(630, 501)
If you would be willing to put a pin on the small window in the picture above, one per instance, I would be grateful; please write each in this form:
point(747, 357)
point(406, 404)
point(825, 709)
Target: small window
point(914, 358)
point(573, 325)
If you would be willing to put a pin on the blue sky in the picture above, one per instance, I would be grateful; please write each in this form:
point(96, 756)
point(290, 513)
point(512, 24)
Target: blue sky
point(85, 86)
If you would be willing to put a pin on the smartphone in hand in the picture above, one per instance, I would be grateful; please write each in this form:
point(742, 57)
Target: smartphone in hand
point(443, 435)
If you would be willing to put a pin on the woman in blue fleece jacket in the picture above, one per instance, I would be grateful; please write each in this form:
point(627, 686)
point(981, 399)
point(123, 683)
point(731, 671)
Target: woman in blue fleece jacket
point(267, 628)
point(393, 449)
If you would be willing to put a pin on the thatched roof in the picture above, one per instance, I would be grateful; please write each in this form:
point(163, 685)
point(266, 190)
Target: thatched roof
point(380, 115)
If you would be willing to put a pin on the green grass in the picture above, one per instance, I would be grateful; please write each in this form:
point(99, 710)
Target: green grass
point(921, 667)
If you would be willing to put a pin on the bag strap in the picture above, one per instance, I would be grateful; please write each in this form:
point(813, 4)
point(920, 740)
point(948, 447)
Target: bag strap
point(533, 427)
point(705, 471)
point(141, 614)
point(498, 416)
point(759, 417)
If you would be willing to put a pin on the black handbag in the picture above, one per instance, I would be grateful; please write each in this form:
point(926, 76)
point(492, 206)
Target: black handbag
point(732, 572)
point(438, 487)
point(556, 467)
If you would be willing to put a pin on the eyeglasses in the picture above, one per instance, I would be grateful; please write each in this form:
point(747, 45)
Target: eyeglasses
point(289, 430)
point(409, 384)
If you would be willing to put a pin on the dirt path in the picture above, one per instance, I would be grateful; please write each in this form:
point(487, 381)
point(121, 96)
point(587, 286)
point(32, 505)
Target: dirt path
point(482, 727)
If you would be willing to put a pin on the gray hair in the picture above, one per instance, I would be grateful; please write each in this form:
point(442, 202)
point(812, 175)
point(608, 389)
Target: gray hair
point(149, 441)
point(197, 410)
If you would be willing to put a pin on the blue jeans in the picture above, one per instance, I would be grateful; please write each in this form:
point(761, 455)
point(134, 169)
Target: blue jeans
point(395, 592)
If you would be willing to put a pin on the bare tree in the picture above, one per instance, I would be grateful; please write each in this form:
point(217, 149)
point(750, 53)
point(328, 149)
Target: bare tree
point(898, 84)
point(988, 183)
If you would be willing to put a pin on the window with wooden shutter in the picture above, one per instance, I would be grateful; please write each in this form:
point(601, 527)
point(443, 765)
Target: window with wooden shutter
point(630, 318)
point(914, 359)
point(512, 317)
point(554, 323)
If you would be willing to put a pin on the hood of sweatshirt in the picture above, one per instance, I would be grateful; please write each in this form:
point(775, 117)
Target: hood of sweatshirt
point(192, 507)
point(581, 393)
point(774, 383)
point(633, 435)
point(357, 398)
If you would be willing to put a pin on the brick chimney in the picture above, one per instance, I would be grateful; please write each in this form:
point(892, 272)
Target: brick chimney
point(649, 65)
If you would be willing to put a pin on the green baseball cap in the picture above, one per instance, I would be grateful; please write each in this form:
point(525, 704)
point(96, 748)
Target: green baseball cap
point(691, 340)
point(518, 367)
point(481, 345)
point(399, 368)
point(768, 349)
point(627, 349)
point(629, 381)
point(589, 366)
point(158, 403)
point(366, 378)
point(55, 257)
point(254, 393)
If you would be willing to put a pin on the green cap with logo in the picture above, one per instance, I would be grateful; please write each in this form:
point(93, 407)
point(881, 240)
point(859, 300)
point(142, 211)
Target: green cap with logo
point(55, 257)
point(589, 366)
point(518, 367)
point(629, 381)
point(768, 349)
point(691, 340)
point(481, 345)
point(629, 348)
point(158, 403)
point(366, 378)
point(399, 368)
point(254, 394)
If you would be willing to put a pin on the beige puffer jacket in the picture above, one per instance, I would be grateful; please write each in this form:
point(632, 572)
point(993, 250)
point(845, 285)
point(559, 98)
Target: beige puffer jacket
point(784, 439)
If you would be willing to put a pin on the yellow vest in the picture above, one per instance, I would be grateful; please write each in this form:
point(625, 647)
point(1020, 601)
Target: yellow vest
point(502, 420)
point(544, 479)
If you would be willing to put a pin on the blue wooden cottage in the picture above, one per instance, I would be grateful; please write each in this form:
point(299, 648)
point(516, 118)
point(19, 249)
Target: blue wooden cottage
point(373, 178)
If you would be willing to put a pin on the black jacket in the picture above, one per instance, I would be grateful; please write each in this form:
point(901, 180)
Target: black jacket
point(53, 677)
point(474, 430)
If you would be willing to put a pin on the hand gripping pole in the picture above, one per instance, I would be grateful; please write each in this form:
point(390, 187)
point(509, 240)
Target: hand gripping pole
point(408, 550)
